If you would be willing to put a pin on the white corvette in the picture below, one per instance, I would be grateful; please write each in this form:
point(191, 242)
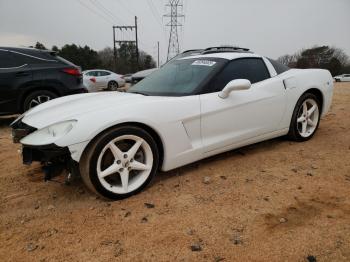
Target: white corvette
point(192, 108)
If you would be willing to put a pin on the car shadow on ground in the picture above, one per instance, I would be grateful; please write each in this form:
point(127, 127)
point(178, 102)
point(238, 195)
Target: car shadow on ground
point(243, 151)
point(36, 174)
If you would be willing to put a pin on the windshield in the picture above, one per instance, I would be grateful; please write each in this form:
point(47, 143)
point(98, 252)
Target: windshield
point(178, 78)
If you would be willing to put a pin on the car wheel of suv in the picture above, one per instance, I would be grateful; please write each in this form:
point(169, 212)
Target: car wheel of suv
point(37, 98)
point(306, 118)
point(113, 86)
point(120, 163)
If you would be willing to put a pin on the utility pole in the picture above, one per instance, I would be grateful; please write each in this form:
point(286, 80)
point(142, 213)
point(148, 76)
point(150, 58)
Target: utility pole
point(158, 55)
point(137, 44)
point(174, 47)
point(114, 51)
point(122, 39)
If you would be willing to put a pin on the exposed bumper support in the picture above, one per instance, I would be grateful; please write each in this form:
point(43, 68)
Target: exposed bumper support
point(53, 158)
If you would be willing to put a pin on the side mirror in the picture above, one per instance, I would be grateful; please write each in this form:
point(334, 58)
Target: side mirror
point(235, 85)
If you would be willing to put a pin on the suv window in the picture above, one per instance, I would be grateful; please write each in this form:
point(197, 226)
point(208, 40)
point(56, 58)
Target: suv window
point(280, 68)
point(253, 69)
point(22, 59)
point(6, 60)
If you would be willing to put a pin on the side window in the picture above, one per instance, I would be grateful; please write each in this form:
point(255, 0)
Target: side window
point(280, 68)
point(105, 73)
point(253, 69)
point(6, 60)
point(93, 73)
point(22, 59)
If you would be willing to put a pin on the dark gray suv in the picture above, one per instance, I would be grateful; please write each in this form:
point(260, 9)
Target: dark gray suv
point(29, 77)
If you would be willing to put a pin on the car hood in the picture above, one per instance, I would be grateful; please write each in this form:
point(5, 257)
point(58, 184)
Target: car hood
point(71, 107)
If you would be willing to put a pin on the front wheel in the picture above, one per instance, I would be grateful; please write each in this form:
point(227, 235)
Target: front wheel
point(306, 118)
point(120, 163)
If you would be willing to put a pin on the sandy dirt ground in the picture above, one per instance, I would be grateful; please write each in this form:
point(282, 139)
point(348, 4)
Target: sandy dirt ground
point(274, 201)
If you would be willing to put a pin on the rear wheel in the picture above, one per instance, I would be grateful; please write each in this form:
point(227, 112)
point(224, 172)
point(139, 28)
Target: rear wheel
point(306, 118)
point(37, 97)
point(120, 163)
point(113, 86)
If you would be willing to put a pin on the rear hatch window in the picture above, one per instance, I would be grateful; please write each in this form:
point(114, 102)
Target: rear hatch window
point(61, 59)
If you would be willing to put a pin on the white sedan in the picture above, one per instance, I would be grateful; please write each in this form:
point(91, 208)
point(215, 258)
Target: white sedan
point(96, 80)
point(342, 78)
point(190, 109)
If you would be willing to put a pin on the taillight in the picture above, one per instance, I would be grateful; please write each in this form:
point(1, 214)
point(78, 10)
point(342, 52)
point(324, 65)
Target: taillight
point(93, 79)
point(72, 71)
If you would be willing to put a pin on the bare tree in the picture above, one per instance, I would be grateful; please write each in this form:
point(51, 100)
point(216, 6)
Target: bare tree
point(331, 58)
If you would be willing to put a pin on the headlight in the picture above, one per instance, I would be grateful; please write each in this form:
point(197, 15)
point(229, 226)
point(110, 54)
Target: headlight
point(49, 135)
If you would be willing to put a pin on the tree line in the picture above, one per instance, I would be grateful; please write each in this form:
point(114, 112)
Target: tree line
point(331, 58)
point(88, 58)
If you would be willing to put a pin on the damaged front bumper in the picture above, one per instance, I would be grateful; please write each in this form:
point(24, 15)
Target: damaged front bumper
point(44, 154)
point(54, 159)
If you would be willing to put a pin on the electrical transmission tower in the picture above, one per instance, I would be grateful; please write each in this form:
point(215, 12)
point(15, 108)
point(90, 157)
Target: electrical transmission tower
point(174, 15)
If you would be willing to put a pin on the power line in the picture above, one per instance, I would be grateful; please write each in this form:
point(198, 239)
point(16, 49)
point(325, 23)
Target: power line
point(157, 17)
point(102, 8)
point(96, 13)
point(154, 12)
point(126, 8)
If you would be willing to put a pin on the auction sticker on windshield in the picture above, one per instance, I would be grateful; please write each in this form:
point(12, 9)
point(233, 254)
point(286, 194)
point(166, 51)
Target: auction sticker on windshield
point(204, 63)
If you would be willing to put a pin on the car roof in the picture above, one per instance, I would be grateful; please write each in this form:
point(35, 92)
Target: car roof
point(225, 55)
point(23, 49)
point(91, 70)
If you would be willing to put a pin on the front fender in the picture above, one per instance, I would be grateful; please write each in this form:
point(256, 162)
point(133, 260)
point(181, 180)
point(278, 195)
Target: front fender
point(178, 130)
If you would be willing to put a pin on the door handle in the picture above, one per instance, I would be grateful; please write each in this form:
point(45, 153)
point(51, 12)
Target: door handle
point(21, 74)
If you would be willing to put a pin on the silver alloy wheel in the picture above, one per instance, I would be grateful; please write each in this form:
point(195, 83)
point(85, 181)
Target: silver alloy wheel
point(113, 86)
point(308, 117)
point(124, 164)
point(39, 100)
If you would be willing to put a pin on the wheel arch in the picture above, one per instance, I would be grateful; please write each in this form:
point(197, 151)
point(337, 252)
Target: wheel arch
point(318, 93)
point(26, 93)
point(155, 135)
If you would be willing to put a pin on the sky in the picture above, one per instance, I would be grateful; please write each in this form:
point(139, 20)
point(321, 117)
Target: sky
point(268, 27)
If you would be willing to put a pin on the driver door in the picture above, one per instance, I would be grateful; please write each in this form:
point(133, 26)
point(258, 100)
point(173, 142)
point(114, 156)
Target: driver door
point(245, 114)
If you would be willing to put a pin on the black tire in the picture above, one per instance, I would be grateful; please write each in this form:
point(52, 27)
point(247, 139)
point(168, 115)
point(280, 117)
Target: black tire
point(28, 101)
point(89, 160)
point(337, 80)
point(113, 86)
point(293, 129)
